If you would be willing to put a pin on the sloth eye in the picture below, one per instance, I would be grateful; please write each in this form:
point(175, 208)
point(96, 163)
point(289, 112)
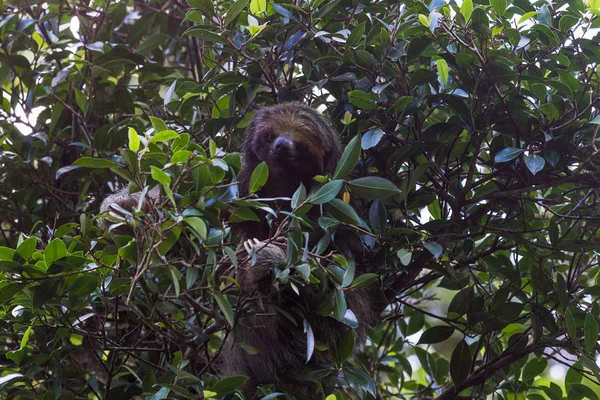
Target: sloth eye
point(270, 136)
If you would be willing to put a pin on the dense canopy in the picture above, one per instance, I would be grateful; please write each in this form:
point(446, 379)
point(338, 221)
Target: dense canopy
point(469, 172)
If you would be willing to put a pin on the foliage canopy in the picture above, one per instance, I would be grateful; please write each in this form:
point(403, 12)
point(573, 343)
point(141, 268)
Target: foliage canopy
point(469, 170)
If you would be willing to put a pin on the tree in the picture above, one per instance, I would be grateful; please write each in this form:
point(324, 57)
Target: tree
point(470, 170)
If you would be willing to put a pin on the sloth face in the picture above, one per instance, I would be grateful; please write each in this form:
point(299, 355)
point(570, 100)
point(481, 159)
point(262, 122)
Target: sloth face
point(293, 141)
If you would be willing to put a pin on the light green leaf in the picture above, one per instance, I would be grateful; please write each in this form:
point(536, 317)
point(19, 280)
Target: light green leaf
point(197, 225)
point(55, 250)
point(258, 7)
point(466, 9)
point(442, 68)
point(134, 139)
point(160, 176)
point(526, 16)
point(164, 136)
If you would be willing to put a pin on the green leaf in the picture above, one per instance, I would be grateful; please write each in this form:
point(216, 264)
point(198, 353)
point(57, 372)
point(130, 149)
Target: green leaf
point(164, 136)
point(26, 248)
point(235, 10)
point(169, 93)
point(466, 9)
point(534, 163)
point(44, 292)
point(55, 250)
point(349, 274)
point(344, 212)
point(526, 16)
point(181, 156)
point(533, 368)
point(160, 176)
point(571, 327)
point(204, 5)
point(339, 305)
point(310, 340)
point(134, 140)
point(88, 162)
point(327, 192)
point(158, 125)
point(567, 22)
point(304, 271)
point(499, 6)
point(550, 111)
point(573, 83)
point(365, 60)
point(258, 7)
point(175, 276)
point(349, 158)
point(343, 348)
point(405, 256)
point(361, 99)
point(83, 286)
point(590, 331)
point(204, 34)
point(423, 20)
point(436, 334)
point(259, 177)
point(442, 68)
point(373, 188)
point(356, 35)
point(197, 225)
point(504, 155)
point(364, 280)
point(544, 16)
point(460, 363)
point(434, 248)
point(229, 384)
point(152, 42)
point(299, 196)
point(225, 308)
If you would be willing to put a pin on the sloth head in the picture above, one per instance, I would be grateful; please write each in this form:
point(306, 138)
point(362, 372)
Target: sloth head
point(294, 140)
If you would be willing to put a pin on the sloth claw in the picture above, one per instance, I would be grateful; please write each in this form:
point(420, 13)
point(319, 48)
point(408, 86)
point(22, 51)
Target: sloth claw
point(251, 244)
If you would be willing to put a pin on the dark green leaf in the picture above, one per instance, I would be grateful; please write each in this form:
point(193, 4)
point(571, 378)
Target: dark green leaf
point(327, 192)
point(373, 188)
point(460, 363)
point(507, 154)
point(349, 158)
point(436, 334)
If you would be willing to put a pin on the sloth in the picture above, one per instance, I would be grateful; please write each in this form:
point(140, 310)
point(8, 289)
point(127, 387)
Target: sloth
point(297, 143)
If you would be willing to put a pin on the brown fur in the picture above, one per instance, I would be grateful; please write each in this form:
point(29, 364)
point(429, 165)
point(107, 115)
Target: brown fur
point(114, 205)
point(281, 344)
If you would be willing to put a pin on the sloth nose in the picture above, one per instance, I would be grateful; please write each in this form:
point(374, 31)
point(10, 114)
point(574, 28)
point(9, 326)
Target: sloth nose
point(283, 146)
